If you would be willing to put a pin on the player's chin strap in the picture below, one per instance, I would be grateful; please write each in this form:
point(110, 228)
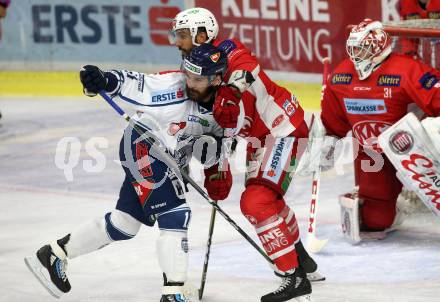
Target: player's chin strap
point(160, 153)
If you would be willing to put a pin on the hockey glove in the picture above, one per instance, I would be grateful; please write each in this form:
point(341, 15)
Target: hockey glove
point(93, 80)
point(218, 183)
point(226, 107)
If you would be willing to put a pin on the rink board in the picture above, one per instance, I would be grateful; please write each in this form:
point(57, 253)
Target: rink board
point(67, 84)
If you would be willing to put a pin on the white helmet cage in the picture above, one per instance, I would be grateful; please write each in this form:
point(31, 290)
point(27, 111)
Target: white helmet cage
point(195, 18)
point(367, 46)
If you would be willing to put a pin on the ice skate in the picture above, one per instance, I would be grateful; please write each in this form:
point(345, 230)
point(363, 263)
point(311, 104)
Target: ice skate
point(49, 266)
point(173, 291)
point(174, 298)
point(294, 287)
point(308, 264)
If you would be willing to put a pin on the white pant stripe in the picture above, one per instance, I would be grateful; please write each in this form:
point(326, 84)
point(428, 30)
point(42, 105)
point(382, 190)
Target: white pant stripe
point(269, 226)
point(282, 252)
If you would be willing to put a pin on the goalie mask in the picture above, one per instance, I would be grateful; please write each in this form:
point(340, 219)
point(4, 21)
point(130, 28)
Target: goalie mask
point(193, 19)
point(367, 46)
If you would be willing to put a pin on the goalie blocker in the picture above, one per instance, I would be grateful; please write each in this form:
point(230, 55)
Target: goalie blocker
point(413, 147)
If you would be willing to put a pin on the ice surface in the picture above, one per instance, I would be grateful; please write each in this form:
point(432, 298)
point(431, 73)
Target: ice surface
point(38, 205)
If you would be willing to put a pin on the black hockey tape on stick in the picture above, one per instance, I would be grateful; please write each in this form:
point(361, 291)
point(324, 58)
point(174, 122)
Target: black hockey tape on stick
point(171, 163)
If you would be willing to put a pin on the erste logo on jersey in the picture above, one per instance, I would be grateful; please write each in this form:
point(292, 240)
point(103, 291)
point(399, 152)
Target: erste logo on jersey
point(342, 78)
point(167, 96)
point(389, 80)
point(367, 133)
point(365, 106)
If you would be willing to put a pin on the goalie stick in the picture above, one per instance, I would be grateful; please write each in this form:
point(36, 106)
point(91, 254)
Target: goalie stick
point(171, 163)
point(314, 245)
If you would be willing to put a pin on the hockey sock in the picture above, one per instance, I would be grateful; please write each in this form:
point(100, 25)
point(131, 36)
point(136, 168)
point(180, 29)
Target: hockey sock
point(285, 212)
point(99, 232)
point(278, 243)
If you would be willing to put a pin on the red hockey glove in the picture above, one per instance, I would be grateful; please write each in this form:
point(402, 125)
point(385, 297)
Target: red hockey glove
point(218, 183)
point(226, 109)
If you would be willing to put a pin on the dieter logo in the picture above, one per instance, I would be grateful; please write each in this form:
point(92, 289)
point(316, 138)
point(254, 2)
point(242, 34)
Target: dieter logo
point(342, 78)
point(389, 80)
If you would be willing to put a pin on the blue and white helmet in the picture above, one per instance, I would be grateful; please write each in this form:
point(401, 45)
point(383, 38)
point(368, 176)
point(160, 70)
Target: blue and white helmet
point(206, 60)
point(195, 18)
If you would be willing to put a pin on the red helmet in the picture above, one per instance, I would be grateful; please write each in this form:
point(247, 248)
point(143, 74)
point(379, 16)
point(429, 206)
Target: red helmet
point(368, 45)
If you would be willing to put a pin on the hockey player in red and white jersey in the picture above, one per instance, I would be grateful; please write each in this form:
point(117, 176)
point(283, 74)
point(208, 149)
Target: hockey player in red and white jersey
point(252, 106)
point(367, 93)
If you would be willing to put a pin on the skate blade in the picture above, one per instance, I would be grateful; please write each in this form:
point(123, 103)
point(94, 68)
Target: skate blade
point(35, 266)
point(315, 277)
point(191, 292)
point(305, 298)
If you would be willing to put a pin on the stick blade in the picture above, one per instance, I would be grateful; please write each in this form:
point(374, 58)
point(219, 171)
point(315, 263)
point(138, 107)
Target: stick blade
point(315, 245)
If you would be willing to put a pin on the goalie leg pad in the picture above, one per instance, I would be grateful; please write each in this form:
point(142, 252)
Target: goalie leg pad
point(350, 217)
point(413, 150)
point(172, 252)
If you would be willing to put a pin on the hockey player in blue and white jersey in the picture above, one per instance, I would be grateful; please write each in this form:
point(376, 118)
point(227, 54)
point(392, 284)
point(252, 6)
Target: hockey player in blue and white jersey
point(151, 191)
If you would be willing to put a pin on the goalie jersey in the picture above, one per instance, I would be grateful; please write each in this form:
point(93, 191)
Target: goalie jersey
point(163, 108)
point(370, 106)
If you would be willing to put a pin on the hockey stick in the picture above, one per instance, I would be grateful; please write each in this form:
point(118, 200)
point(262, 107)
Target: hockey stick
point(208, 251)
point(225, 154)
point(314, 245)
point(171, 163)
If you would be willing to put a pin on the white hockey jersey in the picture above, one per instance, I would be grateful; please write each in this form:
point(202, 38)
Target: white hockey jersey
point(163, 108)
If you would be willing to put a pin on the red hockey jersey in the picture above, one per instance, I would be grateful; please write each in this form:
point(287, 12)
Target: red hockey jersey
point(370, 106)
point(269, 108)
point(411, 9)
